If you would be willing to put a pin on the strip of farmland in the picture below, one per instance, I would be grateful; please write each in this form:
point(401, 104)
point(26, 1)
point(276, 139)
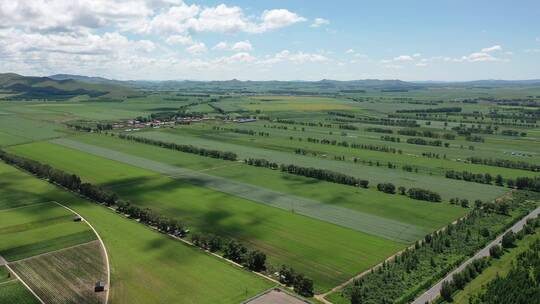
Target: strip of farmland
point(344, 217)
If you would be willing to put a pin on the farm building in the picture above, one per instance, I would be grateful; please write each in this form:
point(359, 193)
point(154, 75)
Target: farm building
point(100, 286)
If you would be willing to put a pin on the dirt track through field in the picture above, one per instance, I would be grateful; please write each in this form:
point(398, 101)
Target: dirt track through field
point(367, 223)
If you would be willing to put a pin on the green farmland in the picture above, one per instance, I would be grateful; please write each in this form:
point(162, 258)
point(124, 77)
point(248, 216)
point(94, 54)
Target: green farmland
point(142, 260)
point(374, 172)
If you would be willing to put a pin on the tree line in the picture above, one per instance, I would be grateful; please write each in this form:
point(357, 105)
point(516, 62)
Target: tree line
point(414, 193)
point(425, 133)
point(492, 294)
point(415, 269)
point(432, 110)
point(353, 145)
point(326, 175)
point(521, 183)
point(254, 260)
point(225, 155)
point(504, 163)
point(423, 142)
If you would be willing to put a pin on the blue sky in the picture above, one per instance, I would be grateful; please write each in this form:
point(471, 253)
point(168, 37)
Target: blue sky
point(263, 40)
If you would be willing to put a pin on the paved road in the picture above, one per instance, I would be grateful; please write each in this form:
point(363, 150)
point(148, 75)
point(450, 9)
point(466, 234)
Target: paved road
point(435, 290)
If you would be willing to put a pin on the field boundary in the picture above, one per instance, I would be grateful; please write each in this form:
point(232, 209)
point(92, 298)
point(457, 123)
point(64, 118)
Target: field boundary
point(24, 283)
point(25, 206)
point(52, 252)
point(106, 254)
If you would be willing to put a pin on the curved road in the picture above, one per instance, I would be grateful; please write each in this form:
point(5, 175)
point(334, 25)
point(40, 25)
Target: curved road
point(430, 295)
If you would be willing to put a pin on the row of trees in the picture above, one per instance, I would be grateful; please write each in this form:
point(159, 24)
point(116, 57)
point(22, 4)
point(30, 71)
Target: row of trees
point(521, 183)
point(423, 195)
point(505, 163)
point(301, 284)
point(460, 280)
point(414, 193)
point(69, 181)
point(426, 133)
point(183, 148)
point(261, 162)
point(520, 285)
point(423, 142)
point(380, 130)
point(242, 131)
point(400, 280)
point(326, 175)
point(485, 178)
point(91, 128)
point(254, 260)
point(432, 110)
point(353, 145)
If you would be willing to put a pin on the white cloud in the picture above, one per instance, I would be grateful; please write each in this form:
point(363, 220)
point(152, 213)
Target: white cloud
point(478, 57)
point(296, 58)
point(61, 15)
point(242, 46)
point(241, 57)
point(277, 18)
point(349, 51)
point(532, 50)
point(319, 22)
point(221, 46)
point(197, 48)
point(421, 64)
point(219, 19)
point(492, 49)
point(180, 39)
point(403, 58)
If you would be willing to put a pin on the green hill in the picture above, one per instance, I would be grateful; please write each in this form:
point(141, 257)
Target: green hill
point(44, 88)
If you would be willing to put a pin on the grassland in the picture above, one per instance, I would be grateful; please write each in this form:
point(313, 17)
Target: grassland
point(67, 275)
point(148, 267)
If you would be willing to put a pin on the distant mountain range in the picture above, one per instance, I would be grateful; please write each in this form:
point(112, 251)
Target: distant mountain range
point(66, 86)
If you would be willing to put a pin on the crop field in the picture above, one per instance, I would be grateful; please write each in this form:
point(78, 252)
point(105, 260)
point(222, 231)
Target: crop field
point(14, 292)
point(34, 229)
point(66, 275)
point(16, 130)
point(284, 236)
point(367, 201)
point(447, 188)
point(143, 260)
